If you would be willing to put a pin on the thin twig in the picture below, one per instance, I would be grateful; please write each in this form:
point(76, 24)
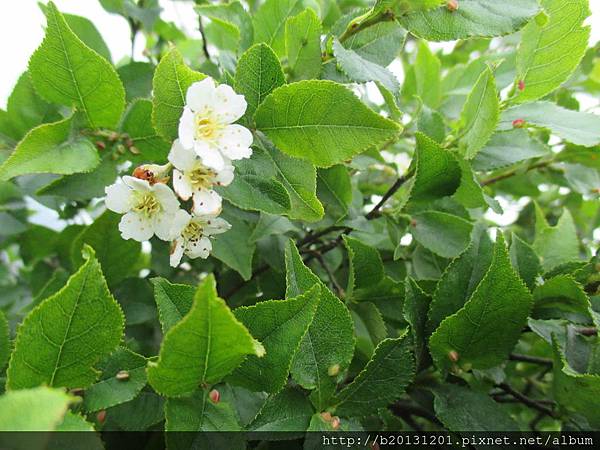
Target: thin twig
point(203, 34)
point(531, 403)
point(334, 282)
point(513, 172)
point(530, 359)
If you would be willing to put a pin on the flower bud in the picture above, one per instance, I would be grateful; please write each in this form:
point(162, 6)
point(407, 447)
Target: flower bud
point(152, 173)
point(215, 396)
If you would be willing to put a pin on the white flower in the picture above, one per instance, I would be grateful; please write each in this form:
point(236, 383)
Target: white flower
point(205, 124)
point(192, 178)
point(149, 209)
point(194, 232)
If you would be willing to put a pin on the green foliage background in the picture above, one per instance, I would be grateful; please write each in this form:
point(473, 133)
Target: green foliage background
point(356, 290)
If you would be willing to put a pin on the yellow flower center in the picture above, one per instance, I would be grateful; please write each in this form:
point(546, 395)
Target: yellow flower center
point(206, 127)
point(147, 204)
point(193, 231)
point(201, 177)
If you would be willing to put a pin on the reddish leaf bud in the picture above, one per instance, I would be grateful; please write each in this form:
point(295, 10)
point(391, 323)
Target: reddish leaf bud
point(215, 396)
point(101, 416)
point(326, 416)
point(122, 375)
point(521, 85)
point(100, 145)
point(518, 123)
point(453, 355)
point(452, 5)
point(335, 422)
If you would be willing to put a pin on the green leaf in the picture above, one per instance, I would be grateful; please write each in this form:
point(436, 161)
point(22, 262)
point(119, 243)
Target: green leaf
point(4, 340)
point(63, 338)
point(38, 409)
point(361, 70)
point(258, 73)
point(234, 247)
point(172, 79)
point(137, 124)
point(366, 266)
point(288, 410)
point(483, 18)
point(428, 76)
point(206, 345)
point(269, 225)
point(437, 172)
point(174, 301)
point(470, 194)
point(269, 22)
point(321, 121)
point(563, 296)
point(65, 71)
point(299, 179)
point(487, 328)
point(431, 123)
point(327, 348)
point(87, 32)
point(524, 260)
point(141, 413)
point(137, 79)
point(479, 115)
point(199, 414)
point(416, 305)
point(508, 147)
point(303, 45)
point(460, 279)
point(556, 245)
point(280, 325)
point(110, 390)
point(551, 51)
point(428, 226)
point(116, 255)
point(384, 379)
point(334, 189)
point(379, 43)
point(51, 148)
point(573, 126)
point(233, 18)
point(460, 408)
point(575, 391)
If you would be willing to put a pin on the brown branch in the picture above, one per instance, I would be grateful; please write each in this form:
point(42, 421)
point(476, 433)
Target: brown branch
point(527, 401)
point(513, 172)
point(203, 34)
point(530, 359)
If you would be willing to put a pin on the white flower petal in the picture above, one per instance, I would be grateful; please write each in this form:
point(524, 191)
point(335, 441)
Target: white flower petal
point(166, 197)
point(182, 158)
point(163, 226)
point(201, 95)
point(211, 157)
point(235, 142)
point(180, 221)
point(177, 252)
point(199, 248)
point(182, 185)
point(118, 198)
point(225, 177)
point(187, 128)
point(207, 202)
point(216, 225)
point(136, 226)
point(229, 106)
point(136, 183)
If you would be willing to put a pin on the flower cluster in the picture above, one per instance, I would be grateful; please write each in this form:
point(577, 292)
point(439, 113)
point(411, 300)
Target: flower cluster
point(198, 161)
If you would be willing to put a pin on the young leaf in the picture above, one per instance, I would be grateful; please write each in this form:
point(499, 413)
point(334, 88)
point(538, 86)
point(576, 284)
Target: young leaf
point(366, 267)
point(280, 325)
point(269, 22)
point(551, 48)
point(65, 71)
point(86, 326)
point(234, 247)
point(429, 225)
point(51, 148)
point(562, 297)
point(44, 407)
point(479, 115)
point(137, 79)
point(258, 73)
point(484, 18)
point(556, 245)
point(303, 45)
point(460, 408)
point(334, 190)
point(525, 261)
point(573, 126)
point(4, 340)
point(384, 379)
point(508, 147)
point(116, 255)
point(379, 43)
point(172, 79)
point(416, 305)
point(321, 121)
point(460, 279)
point(234, 17)
point(113, 388)
point(288, 410)
point(328, 345)
point(174, 301)
point(487, 328)
point(428, 76)
point(137, 124)
point(206, 345)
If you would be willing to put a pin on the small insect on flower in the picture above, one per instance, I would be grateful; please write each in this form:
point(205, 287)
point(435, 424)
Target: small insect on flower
point(152, 173)
point(207, 124)
point(193, 234)
point(192, 178)
point(149, 208)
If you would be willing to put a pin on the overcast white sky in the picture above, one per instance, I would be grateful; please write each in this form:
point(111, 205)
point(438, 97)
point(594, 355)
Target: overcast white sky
point(21, 31)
